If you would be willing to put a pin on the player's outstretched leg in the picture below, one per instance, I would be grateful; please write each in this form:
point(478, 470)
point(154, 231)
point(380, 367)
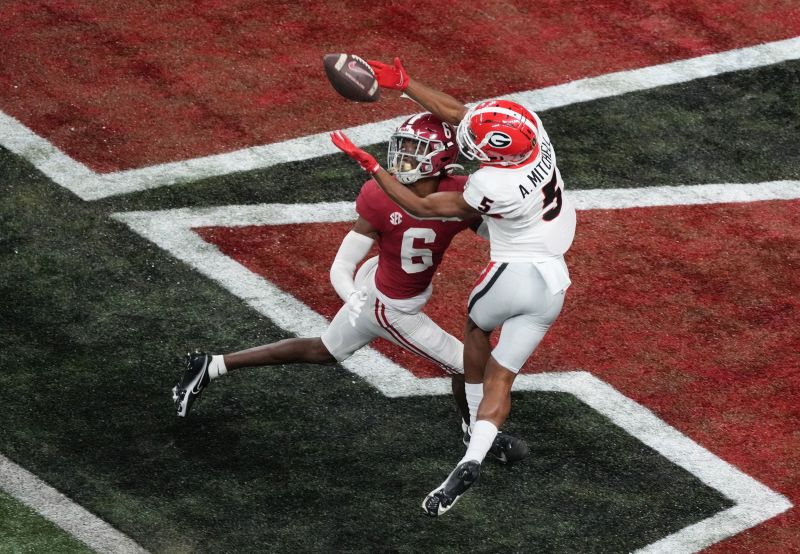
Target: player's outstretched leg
point(194, 381)
point(505, 448)
point(202, 368)
point(447, 494)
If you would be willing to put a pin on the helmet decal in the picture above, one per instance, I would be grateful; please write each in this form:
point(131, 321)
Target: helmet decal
point(498, 140)
point(479, 139)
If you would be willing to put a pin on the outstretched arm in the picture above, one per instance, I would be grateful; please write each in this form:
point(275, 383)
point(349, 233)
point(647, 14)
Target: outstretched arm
point(442, 105)
point(438, 204)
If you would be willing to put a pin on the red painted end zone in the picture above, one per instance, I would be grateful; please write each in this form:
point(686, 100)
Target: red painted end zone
point(119, 85)
point(691, 311)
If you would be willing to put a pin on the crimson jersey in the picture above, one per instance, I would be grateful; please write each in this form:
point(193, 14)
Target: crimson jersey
point(410, 249)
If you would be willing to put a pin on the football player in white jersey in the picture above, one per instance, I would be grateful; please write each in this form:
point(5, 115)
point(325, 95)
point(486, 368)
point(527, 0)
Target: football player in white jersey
point(386, 296)
point(520, 194)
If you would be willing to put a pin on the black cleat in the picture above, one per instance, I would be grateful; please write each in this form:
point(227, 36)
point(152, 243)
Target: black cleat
point(194, 381)
point(447, 494)
point(505, 448)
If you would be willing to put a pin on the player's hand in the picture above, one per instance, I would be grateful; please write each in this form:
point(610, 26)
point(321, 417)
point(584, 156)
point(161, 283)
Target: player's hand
point(355, 303)
point(390, 76)
point(344, 144)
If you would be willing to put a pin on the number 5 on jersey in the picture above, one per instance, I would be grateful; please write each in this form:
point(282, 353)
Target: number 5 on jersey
point(486, 204)
point(552, 193)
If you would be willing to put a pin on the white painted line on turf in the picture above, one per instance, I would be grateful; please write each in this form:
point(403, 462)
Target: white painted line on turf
point(172, 231)
point(332, 212)
point(48, 159)
point(684, 195)
point(754, 502)
point(57, 508)
point(89, 185)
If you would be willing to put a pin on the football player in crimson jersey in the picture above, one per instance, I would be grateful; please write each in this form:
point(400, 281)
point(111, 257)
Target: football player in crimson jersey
point(388, 292)
point(519, 192)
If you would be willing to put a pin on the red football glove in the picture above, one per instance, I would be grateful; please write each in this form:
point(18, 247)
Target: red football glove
point(344, 144)
point(390, 76)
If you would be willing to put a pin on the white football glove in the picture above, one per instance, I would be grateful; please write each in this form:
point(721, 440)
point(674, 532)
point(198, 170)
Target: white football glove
point(355, 302)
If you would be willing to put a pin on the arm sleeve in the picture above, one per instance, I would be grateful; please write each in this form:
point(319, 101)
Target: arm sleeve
point(352, 250)
point(481, 228)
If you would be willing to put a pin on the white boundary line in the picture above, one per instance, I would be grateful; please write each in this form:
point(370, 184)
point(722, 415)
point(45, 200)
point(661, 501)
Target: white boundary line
point(90, 185)
point(57, 508)
point(754, 502)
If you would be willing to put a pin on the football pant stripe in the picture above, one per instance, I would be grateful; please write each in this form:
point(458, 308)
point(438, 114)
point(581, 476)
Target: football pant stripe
point(477, 296)
point(380, 315)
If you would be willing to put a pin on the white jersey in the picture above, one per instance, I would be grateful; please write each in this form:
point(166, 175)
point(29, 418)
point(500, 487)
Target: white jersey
point(530, 218)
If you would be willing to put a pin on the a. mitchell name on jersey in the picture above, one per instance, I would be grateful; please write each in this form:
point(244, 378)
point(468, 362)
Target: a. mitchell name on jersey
point(541, 170)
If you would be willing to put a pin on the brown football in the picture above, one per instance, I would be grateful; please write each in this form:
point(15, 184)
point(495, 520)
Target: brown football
point(352, 77)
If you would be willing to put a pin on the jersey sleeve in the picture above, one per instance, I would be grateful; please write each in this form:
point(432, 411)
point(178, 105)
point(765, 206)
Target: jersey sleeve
point(370, 204)
point(478, 193)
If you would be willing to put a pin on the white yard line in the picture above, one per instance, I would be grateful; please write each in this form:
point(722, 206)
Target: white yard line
point(684, 195)
point(172, 231)
point(754, 502)
point(57, 508)
point(90, 185)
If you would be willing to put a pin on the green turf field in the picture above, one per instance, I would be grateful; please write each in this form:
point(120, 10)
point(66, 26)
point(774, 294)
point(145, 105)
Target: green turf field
point(22, 531)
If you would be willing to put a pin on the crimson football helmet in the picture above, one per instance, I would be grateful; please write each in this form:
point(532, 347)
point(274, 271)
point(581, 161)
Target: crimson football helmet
point(498, 132)
point(422, 146)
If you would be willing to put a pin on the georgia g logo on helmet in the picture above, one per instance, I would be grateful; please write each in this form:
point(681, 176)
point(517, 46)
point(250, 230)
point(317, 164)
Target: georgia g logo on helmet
point(498, 140)
point(479, 137)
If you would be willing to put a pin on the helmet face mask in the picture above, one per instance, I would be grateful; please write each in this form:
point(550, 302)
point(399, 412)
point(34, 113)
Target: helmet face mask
point(422, 146)
point(408, 158)
point(498, 132)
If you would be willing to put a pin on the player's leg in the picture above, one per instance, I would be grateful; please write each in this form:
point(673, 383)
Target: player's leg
point(338, 342)
point(488, 306)
point(511, 289)
point(505, 448)
point(519, 337)
point(420, 335)
point(476, 336)
point(460, 398)
point(202, 368)
point(287, 351)
point(476, 353)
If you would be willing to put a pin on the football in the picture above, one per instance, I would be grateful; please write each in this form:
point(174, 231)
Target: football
point(351, 77)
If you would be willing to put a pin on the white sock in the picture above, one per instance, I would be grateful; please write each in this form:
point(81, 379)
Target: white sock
point(474, 393)
point(483, 434)
point(216, 367)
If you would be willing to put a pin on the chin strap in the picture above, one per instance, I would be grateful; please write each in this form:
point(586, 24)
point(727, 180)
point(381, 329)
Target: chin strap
point(449, 168)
